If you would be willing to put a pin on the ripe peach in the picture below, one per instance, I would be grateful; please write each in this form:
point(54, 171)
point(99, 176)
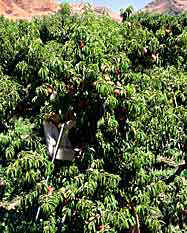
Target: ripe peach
point(100, 227)
point(50, 190)
point(50, 89)
point(81, 44)
point(145, 50)
point(117, 72)
point(117, 92)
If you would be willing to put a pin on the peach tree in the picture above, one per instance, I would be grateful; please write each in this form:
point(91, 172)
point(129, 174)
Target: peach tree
point(127, 84)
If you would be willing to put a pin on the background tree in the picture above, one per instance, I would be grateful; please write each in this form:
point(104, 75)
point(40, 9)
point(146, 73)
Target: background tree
point(125, 13)
point(127, 85)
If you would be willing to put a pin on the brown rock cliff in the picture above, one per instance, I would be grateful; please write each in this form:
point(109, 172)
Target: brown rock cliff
point(163, 6)
point(26, 9)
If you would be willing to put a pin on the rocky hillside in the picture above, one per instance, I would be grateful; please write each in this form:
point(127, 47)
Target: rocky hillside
point(163, 6)
point(100, 10)
point(26, 9)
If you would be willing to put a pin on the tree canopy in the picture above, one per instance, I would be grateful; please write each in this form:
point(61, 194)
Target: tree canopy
point(127, 84)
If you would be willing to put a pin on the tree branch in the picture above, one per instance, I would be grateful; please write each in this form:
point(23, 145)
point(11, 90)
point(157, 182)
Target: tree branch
point(181, 168)
point(136, 228)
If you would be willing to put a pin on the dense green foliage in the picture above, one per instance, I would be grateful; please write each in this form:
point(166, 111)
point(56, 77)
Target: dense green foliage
point(132, 176)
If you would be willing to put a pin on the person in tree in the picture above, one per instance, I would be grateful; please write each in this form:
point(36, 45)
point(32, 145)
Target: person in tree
point(52, 124)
